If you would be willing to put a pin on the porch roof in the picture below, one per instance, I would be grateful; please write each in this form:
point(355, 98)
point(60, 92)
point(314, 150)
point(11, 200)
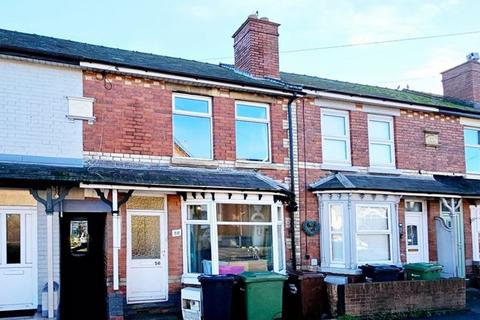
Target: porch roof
point(436, 184)
point(36, 175)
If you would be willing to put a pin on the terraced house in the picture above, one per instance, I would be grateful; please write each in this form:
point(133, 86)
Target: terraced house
point(125, 175)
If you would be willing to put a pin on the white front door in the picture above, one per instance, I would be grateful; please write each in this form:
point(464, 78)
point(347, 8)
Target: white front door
point(147, 270)
point(416, 231)
point(18, 251)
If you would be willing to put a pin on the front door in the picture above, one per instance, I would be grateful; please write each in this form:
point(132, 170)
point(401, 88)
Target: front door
point(416, 231)
point(82, 266)
point(18, 272)
point(147, 271)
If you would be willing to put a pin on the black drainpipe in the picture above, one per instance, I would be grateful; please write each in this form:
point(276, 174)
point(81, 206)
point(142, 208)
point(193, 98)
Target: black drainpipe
point(292, 206)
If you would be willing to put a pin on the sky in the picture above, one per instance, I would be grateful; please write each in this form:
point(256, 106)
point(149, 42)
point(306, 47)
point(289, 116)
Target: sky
point(202, 30)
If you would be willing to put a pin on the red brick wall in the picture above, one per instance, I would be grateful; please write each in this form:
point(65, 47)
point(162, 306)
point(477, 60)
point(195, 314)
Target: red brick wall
point(175, 244)
point(411, 152)
point(359, 138)
point(256, 47)
point(382, 298)
point(433, 211)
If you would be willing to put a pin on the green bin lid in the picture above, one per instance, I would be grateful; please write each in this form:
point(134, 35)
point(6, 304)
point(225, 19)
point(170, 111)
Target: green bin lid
point(423, 267)
point(249, 276)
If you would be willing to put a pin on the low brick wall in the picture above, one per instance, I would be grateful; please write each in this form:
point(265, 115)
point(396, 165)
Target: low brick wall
point(366, 299)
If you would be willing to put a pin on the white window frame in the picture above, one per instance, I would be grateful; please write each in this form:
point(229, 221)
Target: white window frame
point(345, 115)
point(192, 278)
point(255, 120)
point(470, 146)
point(192, 114)
point(391, 142)
point(375, 232)
point(336, 264)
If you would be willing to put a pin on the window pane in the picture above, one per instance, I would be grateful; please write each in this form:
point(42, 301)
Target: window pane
point(372, 248)
point(472, 136)
point(79, 237)
point(381, 154)
point(191, 105)
point(251, 111)
point(472, 159)
point(412, 235)
point(13, 238)
point(379, 130)
point(333, 125)
point(281, 256)
point(336, 217)
point(252, 141)
point(335, 150)
point(192, 136)
point(337, 247)
point(243, 212)
point(249, 247)
point(199, 249)
point(372, 218)
point(414, 206)
point(145, 237)
point(197, 212)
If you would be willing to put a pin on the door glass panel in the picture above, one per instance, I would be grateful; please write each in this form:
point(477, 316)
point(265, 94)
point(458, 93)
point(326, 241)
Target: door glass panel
point(199, 249)
point(412, 235)
point(414, 206)
point(13, 238)
point(79, 237)
point(145, 237)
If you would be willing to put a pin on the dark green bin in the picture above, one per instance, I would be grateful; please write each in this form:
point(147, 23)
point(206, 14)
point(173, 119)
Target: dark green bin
point(263, 295)
point(423, 271)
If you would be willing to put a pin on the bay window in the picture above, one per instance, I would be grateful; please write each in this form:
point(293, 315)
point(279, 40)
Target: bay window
point(335, 137)
point(381, 141)
point(233, 235)
point(192, 126)
point(359, 231)
point(252, 131)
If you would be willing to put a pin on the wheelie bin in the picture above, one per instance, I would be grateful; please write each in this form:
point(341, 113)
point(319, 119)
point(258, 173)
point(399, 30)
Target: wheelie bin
point(220, 296)
point(262, 295)
point(381, 272)
point(305, 296)
point(423, 271)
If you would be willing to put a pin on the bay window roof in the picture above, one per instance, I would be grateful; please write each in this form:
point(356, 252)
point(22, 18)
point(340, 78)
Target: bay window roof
point(29, 175)
point(436, 184)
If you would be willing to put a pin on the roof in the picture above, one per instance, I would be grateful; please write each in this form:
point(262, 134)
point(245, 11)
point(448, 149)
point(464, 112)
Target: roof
point(362, 90)
point(412, 184)
point(152, 176)
point(36, 46)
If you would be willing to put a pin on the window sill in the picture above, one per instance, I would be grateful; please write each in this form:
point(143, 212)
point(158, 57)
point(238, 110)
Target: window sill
point(195, 162)
point(254, 164)
point(341, 271)
point(190, 279)
point(383, 170)
point(338, 167)
point(475, 176)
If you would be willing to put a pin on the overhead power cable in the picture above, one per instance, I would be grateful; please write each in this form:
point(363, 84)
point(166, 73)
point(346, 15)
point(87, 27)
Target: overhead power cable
point(368, 43)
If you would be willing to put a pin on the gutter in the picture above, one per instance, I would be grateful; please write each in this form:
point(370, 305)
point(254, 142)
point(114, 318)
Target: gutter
point(292, 205)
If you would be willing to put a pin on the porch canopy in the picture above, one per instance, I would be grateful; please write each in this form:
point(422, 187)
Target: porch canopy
point(436, 185)
point(42, 176)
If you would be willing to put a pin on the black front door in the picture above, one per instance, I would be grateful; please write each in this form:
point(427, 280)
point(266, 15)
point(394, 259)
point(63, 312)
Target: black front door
point(82, 266)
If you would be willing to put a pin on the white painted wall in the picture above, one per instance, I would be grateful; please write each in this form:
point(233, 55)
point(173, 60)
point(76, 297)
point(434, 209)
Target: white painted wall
point(42, 249)
point(33, 109)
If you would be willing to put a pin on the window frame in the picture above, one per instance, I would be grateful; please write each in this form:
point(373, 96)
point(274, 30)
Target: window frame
point(336, 264)
point(391, 142)
point(208, 115)
point(465, 145)
point(254, 120)
point(346, 116)
point(191, 277)
point(388, 232)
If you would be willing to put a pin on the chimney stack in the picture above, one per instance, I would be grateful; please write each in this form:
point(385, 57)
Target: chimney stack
point(463, 81)
point(256, 47)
